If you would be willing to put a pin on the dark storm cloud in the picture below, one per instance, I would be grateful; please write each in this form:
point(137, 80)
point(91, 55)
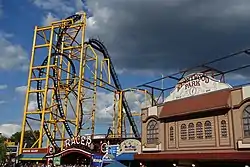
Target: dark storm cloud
point(168, 34)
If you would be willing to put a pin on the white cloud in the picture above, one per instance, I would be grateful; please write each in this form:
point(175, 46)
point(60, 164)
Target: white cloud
point(48, 19)
point(12, 56)
point(59, 6)
point(3, 87)
point(2, 102)
point(9, 129)
point(105, 103)
point(32, 106)
point(64, 8)
point(21, 90)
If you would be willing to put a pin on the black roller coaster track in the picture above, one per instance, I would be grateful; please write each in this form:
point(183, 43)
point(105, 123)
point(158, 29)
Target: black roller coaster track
point(56, 53)
point(101, 48)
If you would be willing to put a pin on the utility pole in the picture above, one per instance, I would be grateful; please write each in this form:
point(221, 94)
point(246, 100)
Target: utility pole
point(162, 81)
point(162, 86)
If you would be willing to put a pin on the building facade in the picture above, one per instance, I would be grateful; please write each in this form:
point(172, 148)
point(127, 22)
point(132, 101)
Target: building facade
point(201, 120)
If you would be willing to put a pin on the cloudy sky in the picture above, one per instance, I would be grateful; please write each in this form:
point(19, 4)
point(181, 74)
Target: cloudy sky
point(145, 38)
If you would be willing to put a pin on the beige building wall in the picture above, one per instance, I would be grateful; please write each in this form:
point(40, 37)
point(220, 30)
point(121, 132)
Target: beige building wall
point(195, 142)
point(226, 129)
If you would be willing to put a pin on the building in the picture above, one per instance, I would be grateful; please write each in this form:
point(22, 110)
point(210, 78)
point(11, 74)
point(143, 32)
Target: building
point(203, 122)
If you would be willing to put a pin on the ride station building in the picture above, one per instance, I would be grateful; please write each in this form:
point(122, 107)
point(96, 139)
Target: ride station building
point(203, 122)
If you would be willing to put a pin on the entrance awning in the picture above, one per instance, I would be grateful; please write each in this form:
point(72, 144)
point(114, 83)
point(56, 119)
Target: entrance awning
point(32, 157)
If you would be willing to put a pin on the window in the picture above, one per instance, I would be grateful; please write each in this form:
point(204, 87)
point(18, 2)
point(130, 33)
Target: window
point(191, 131)
point(171, 133)
point(246, 121)
point(152, 132)
point(199, 130)
point(208, 130)
point(183, 132)
point(223, 128)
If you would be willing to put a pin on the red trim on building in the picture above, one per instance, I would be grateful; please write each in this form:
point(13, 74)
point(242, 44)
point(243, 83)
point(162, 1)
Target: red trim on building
point(194, 156)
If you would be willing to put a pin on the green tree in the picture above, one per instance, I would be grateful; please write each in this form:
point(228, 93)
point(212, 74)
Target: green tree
point(2, 149)
point(30, 137)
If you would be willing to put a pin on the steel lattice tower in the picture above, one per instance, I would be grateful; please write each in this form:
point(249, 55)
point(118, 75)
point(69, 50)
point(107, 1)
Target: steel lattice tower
point(65, 75)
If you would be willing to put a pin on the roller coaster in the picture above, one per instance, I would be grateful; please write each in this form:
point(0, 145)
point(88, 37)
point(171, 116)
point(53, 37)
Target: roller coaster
point(64, 86)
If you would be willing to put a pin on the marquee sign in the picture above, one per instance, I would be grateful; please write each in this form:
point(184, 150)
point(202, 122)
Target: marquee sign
point(195, 84)
point(79, 140)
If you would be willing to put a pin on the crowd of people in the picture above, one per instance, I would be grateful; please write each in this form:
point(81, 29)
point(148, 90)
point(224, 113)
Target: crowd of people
point(43, 165)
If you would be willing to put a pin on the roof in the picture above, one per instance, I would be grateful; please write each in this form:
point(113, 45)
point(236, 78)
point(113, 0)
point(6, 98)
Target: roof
point(115, 164)
point(195, 104)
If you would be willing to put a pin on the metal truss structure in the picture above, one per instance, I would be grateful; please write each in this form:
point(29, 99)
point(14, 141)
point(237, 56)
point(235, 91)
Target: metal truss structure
point(66, 72)
point(140, 99)
point(161, 87)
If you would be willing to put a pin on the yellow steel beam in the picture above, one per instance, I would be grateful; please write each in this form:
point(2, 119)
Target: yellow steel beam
point(81, 74)
point(46, 87)
point(27, 93)
point(42, 45)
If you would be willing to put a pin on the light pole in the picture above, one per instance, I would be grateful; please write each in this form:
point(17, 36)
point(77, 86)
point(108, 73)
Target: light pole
point(162, 86)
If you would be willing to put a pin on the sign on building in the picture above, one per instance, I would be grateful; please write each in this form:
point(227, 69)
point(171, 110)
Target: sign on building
point(196, 84)
point(97, 160)
point(35, 150)
point(79, 140)
point(130, 146)
point(57, 161)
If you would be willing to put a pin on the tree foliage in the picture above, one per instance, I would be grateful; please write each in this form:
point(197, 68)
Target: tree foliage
point(2, 149)
point(30, 137)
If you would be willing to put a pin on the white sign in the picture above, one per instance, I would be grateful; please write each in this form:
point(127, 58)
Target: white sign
point(195, 84)
point(131, 146)
point(79, 140)
point(30, 151)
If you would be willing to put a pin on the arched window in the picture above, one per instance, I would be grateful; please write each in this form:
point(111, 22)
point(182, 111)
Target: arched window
point(199, 130)
point(246, 121)
point(183, 132)
point(208, 130)
point(152, 132)
point(223, 128)
point(191, 131)
point(171, 133)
